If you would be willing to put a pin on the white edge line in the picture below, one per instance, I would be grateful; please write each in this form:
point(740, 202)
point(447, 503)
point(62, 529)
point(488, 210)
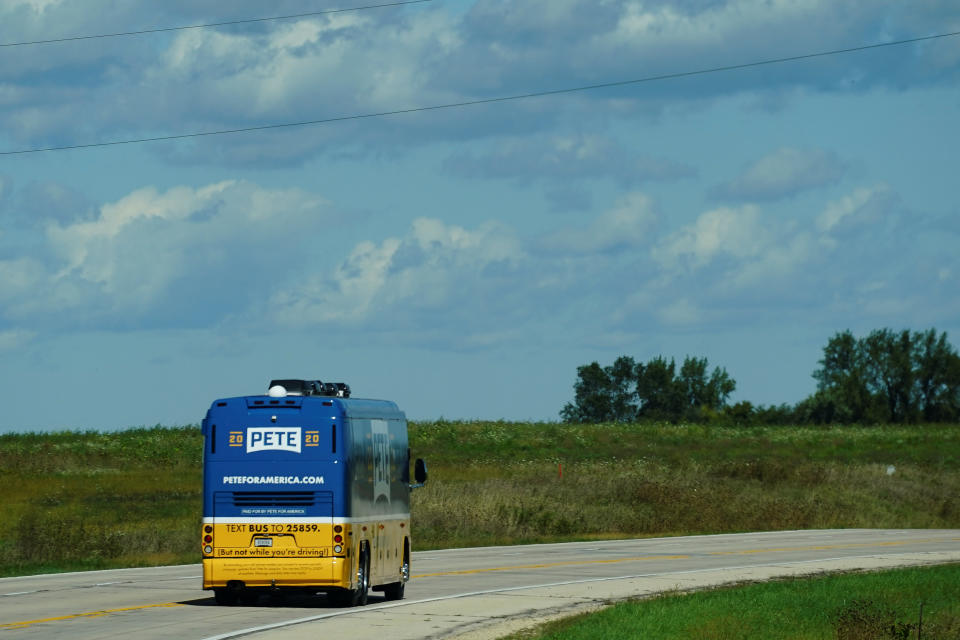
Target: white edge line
point(288, 623)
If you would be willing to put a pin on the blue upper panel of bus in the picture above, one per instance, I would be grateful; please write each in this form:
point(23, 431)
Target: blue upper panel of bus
point(290, 456)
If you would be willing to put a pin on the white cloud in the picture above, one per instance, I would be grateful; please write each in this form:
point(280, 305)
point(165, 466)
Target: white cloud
point(785, 172)
point(435, 268)
point(627, 224)
point(865, 206)
point(735, 232)
point(778, 263)
point(394, 58)
point(166, 257)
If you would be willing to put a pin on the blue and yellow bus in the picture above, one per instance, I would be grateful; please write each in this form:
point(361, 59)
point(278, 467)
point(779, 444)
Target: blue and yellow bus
point(306, 490)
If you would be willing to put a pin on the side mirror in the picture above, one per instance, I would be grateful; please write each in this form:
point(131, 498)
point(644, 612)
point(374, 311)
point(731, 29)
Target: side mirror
point(419, 473)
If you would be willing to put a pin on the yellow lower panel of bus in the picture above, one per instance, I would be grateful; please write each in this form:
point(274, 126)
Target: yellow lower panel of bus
point(280, 572)
point(282, 540)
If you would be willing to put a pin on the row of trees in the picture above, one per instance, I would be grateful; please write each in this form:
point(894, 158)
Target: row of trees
point(887, 376)
point(627, 391)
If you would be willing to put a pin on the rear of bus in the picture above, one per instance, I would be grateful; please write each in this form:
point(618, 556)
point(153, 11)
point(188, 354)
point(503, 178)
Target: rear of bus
point(278, 482)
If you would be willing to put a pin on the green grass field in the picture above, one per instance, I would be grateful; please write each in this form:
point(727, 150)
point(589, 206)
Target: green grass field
point(869, 606)
point(498, 483)
point(96, 500)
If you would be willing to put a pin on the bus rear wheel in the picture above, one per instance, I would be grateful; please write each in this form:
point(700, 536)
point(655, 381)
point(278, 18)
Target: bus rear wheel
point(226, 597)
point(356, 597)
point(394, 590)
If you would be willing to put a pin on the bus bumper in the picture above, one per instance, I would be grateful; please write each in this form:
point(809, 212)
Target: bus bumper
point(322, 573)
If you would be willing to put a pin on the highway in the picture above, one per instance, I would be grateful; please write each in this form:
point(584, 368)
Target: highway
point(463, 593)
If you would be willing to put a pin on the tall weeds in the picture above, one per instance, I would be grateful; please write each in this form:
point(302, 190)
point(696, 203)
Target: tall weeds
point(75, 500)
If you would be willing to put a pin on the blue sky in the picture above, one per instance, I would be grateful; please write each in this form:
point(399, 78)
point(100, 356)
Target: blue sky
point(462, 262)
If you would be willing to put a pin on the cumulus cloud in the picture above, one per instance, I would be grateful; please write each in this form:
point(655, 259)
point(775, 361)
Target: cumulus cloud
point(165, 258)
point(780, 262)
point(627, 224)
point(737, 258)
point(783, 173)
point(866, 206)
point(437, 271)
point(237, 255)
point(727, 231)
point(624, 38)
point(364, 62)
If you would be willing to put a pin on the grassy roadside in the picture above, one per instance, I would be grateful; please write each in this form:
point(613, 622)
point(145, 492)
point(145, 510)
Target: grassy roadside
point(858, 606)
point(91, 500)
point(501, 483)
point(100, 500)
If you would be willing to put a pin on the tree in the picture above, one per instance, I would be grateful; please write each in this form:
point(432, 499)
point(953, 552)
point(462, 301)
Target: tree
point(623, 406)
point(591, 396)
point(937, 376)
point(628, 390)
point(890, 371)
point(887, 376)
point(842, 391)
point(603, 394)
point(659, 395)
point(703, 392)
point(720, 387)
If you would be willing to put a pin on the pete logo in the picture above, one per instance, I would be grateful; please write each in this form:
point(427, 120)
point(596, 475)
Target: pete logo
point(273, 439)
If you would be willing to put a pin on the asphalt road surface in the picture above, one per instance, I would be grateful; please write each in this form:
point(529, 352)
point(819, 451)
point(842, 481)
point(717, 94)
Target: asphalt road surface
point(466, 593)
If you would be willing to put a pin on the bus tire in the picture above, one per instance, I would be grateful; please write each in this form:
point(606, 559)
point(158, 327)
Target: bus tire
point(355, 597)
point(226, 597)
point(394, 590)
point(359, 595)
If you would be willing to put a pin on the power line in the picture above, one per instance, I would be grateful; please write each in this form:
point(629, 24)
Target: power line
point(467, 103)
point(212, 24)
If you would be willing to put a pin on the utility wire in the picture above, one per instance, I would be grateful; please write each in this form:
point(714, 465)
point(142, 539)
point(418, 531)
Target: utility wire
point(212, 24)
point(467, 103)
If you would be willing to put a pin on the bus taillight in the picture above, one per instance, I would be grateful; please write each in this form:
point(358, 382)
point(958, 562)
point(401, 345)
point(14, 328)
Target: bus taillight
point(208, 539)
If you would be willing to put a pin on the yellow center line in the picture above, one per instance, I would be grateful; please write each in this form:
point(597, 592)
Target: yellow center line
point(88, 614)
